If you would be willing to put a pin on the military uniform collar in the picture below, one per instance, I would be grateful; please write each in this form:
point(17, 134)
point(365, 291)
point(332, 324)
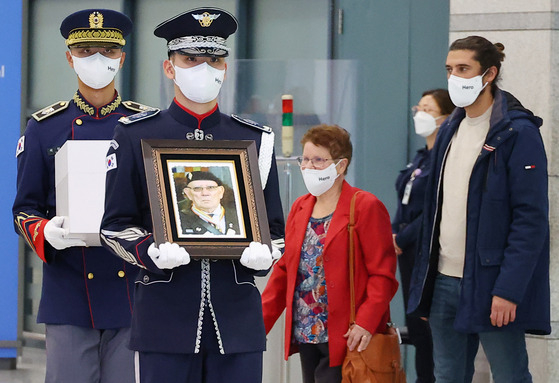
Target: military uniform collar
point(197, 121)
point(102, 111)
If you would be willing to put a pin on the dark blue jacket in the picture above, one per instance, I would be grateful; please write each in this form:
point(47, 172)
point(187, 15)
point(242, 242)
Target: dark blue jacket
point(407, 221)
point(82, 286)
point(167, 308)
point(507, 241)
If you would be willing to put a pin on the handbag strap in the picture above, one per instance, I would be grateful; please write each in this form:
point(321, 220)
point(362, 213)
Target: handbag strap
point(351, 227)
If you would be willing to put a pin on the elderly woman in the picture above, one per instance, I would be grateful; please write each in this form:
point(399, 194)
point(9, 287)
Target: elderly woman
point(311, 280)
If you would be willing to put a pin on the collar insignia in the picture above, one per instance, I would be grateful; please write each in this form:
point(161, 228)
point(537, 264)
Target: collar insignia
point(89, 109)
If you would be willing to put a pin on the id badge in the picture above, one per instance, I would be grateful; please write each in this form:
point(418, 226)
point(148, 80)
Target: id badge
point(407, 192)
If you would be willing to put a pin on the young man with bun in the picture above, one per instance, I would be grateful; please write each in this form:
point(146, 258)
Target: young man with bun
point(482, 273)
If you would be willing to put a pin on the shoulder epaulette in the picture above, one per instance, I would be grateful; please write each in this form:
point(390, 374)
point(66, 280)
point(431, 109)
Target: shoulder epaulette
point(252, 124)
point(136, 106)
point(138, 116)
point(50, 110)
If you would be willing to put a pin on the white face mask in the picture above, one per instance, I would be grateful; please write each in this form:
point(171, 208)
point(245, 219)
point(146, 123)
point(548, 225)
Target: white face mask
point(464, 91)
point(201, 83)
point(320, 181)
point(424, 123)
point(96, 71)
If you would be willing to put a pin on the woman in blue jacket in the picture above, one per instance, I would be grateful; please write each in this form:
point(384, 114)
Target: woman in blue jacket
point(431, 110)
point(482, 272)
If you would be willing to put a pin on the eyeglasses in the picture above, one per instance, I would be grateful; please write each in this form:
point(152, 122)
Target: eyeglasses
point(317, 162)
point(415, 109)
point(199, 189)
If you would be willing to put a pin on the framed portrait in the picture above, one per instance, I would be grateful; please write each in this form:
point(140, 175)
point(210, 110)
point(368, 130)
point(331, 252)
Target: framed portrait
point(206, 196)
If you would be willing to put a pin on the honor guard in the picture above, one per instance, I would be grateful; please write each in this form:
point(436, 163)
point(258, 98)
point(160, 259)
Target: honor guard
point(193, 320)
point(86, 299)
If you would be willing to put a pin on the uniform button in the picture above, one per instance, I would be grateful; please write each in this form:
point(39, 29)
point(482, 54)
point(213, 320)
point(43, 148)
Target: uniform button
point(90, 276)
point(121, 274)
point(79, 122)
point(498, 138)
point(146, 279)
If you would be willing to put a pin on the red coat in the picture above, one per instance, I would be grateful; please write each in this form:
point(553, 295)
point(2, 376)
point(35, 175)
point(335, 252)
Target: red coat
point(375, 268)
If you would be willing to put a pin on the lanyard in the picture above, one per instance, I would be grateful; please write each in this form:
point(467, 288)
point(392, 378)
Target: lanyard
point(409, 186)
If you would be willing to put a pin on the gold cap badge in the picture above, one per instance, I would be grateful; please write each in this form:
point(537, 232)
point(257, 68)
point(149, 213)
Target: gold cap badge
point(205, 19)
point(96, 20)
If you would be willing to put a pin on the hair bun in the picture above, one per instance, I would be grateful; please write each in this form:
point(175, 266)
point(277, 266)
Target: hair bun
point(500, 48)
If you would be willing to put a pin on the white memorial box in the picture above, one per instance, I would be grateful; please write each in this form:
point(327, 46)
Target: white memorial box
point(80, 187)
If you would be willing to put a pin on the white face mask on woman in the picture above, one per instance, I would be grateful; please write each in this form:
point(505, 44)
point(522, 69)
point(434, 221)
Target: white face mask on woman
point(464, 91)
point(424, 123)
point(96, 71)
point(319, 181)
point(201, 83)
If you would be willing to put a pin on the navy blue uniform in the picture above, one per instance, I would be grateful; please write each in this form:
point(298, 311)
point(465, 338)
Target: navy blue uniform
point(82, 286)
point(175, 309)
point(406, 225)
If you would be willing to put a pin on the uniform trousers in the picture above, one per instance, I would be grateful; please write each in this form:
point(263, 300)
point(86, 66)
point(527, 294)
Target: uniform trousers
point(315, 363)
point(203, 367)
point(454, 352)
point(206, 366)
point(86, 355)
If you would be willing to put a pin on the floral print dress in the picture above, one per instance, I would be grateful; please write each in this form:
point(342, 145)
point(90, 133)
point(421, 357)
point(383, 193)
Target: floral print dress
point(310, 303)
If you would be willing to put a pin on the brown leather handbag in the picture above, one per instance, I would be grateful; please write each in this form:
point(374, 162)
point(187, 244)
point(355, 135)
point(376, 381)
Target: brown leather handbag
point(380, 361)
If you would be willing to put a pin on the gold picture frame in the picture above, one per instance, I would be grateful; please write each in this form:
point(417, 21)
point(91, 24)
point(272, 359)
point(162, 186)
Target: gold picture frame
point(180, 213)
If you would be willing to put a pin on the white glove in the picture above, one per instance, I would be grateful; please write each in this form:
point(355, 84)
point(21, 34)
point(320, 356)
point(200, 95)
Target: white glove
point(54, 234)
point(257, 256)
point(168, 255)
point(277, 246)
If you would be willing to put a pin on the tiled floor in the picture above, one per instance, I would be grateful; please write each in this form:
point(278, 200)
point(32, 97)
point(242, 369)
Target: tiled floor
point(30, 368)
